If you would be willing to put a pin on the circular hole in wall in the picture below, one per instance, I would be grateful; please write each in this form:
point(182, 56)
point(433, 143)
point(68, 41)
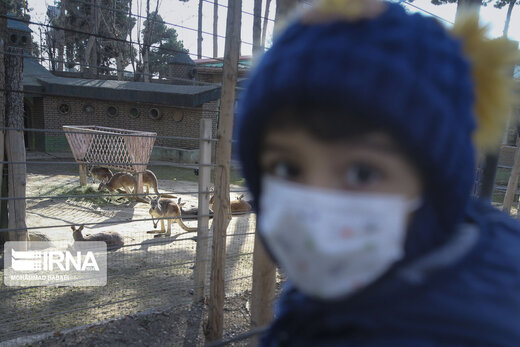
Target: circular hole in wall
point(154, 114)
point(24, 39)
point(134, 112)
point(64, 108)
point(13, 38)
point(88, 109)
point(112, 111)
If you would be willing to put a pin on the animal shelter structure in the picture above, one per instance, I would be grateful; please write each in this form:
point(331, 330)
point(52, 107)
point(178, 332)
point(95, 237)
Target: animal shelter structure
point(53, 100)
point(119, 149)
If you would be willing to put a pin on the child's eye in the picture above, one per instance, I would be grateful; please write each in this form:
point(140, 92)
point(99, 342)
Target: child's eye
point(284, 169)
point(359, 175)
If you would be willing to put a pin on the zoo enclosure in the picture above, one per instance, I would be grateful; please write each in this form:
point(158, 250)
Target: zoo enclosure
point(146, 273)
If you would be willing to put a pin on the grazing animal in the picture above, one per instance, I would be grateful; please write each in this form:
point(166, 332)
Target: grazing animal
point(237, 206)
point(113, 239)
point(100, 173)
point(149, 181)
point(120, 180)
point(167, 208)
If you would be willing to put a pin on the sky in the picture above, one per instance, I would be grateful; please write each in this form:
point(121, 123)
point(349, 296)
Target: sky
point(185, 14)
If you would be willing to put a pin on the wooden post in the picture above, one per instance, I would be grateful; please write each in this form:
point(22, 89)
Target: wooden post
point(3, 34)
point(82, 174)
point(201, 260)
point(14, 143)
point(264, 281)
point(223, 161)
point(139, 183)
point(512, 184)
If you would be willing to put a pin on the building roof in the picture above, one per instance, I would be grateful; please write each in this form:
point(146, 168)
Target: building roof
point(16, 24)
point(181, 58)
point(244, 62)
point(38, 80)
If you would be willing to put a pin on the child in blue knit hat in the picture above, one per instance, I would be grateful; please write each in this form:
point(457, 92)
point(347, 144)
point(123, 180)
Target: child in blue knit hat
point(358, 135)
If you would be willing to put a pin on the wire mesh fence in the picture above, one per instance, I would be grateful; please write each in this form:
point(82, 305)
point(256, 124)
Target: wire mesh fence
point(151, 270)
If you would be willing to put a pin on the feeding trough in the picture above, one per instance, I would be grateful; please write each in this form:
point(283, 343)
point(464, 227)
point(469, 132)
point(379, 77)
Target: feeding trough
point(119, 149)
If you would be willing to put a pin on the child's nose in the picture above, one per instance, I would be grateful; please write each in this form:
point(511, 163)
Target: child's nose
point(320, 177)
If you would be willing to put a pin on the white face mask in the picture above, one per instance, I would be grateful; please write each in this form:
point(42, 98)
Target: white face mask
point(331, 243)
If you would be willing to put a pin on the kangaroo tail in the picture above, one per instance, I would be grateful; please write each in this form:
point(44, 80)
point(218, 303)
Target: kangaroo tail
point(183, 226)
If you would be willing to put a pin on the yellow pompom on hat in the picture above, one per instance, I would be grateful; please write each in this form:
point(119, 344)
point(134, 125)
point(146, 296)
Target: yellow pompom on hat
point(492, 62)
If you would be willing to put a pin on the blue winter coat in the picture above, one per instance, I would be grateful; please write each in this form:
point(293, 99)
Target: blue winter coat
point(464, 293)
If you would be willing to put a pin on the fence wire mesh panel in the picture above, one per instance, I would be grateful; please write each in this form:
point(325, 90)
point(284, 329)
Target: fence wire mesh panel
point(151, 270)
point(239, 253)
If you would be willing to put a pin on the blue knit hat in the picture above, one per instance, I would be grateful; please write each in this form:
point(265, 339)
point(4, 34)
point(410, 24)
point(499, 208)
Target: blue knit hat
point(405, 72)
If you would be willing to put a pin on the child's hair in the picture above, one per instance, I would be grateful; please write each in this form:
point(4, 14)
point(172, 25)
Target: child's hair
point(323, 123)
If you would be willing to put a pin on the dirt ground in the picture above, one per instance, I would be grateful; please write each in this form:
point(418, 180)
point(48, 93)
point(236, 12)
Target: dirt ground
point(148, 273)
point(180, 326)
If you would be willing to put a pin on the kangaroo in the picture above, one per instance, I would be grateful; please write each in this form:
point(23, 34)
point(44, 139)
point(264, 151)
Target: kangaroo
point(113, 239)
point(120, 180)
point(237, 206)
point(167, 208)
point(100, 173)
point(149, 181)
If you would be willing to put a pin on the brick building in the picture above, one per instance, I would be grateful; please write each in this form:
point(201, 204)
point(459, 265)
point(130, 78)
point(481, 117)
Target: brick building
point(167, 109)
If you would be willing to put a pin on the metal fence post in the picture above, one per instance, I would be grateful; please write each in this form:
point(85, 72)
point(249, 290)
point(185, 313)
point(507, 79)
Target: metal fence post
point(202, 255)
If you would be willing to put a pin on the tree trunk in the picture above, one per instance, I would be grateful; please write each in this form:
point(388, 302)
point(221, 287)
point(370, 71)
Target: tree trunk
point(51, 49)
point(257, 28)
point(147, 40)
point(119, 62)
point(146, 48)
point(464, 5)
point(15, 145)
point(215, 28)
point(264, 27)
point(222, 164)
point(90, 58)
point(146, 64)
point(132, 60)
point(61, 51)
point(88, 52)
point(199, 32)
point(283, 8)
point(508, 17)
